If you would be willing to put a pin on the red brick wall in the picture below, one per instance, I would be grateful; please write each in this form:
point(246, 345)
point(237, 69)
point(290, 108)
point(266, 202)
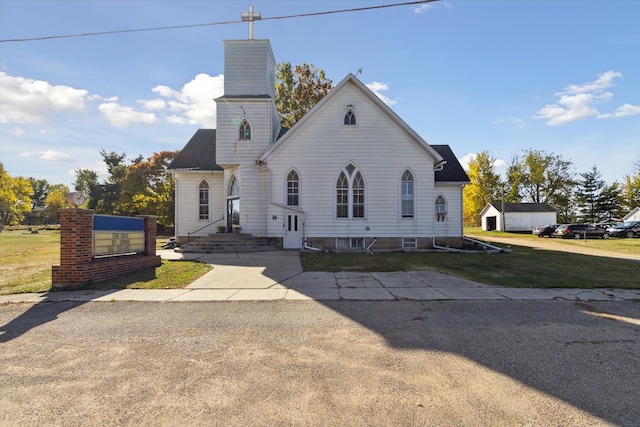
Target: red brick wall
point(77, 265)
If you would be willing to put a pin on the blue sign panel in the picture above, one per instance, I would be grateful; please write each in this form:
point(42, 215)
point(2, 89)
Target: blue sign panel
point(120, 223)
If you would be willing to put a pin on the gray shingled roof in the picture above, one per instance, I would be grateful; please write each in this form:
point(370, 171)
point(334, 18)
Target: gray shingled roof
point(522, 207)
point(198, 154)
point(452, 171)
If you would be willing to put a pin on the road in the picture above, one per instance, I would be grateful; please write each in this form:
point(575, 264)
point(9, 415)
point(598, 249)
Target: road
point(356, 363)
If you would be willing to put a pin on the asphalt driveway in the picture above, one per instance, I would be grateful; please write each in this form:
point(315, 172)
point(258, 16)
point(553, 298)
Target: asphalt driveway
point(383, 363)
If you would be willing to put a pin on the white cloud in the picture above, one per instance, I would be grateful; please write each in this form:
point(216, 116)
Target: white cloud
point(193, 104)
point(153, 104)
point(32, 101)
point(55, 156)
point(17, 132)
point(377, 88)
point(577, 102)
point(516, 121)
point(625, 110)
point(120, 116)
point(52, 155)
point(422, 8)
point(466, 159)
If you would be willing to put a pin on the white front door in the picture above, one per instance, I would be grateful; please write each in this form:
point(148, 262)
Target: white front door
point(292, 231)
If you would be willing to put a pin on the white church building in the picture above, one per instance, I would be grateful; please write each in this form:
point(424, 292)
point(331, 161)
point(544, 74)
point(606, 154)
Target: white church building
point(350, 173)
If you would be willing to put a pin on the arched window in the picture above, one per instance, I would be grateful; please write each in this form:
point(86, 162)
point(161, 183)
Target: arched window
point(350, 118)
point(441, 208)
point(293, 189)
point(407, 196)
point(203, 200)
point(244, 133)
point(233, 188)
point(350, 193)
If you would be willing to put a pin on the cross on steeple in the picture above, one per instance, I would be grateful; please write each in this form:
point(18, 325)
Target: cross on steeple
point(251, 16)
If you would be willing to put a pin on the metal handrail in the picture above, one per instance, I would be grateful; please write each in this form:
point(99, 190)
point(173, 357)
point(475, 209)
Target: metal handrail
point(201, 228)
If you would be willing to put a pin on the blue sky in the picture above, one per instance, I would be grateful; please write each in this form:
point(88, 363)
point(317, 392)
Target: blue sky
point(503, 76)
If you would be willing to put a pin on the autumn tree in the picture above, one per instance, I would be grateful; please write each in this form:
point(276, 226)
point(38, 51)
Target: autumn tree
point(56, 200)
point(630, 192)
point(485, 186)
point(298, 89)
point(148, 189)
point(15, 198)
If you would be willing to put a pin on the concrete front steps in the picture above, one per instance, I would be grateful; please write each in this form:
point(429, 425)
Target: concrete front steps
point(227, 243)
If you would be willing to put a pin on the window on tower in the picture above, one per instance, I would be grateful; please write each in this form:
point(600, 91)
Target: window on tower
point(244, 133)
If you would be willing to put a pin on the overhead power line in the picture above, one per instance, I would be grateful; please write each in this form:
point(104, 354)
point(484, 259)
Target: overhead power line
point(173, 27)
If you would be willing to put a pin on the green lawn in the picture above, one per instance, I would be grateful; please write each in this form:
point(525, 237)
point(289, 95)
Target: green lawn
point(625, 246)
point(26, 259)
point(523, 267)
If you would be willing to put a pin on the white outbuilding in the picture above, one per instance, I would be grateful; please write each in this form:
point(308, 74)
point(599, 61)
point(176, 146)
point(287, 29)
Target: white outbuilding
point(502, 216)
point(634, 215)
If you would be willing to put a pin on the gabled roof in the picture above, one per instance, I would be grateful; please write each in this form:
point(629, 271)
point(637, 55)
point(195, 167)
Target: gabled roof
point(199, 154)
point(631, 214)
point(452, 170)
point(519, 207)
point(351, 79)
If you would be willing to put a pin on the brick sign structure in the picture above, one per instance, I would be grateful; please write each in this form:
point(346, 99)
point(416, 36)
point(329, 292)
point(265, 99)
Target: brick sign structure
point(79, 263)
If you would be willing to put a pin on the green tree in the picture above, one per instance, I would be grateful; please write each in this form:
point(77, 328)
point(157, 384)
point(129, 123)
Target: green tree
point(15, 198)
point(588, 194)
point(112, 187)
point(87, 183)
point(543, 177)
point(608, 203)
point(515, 175)
point(298, 89)
point(485, 186)
point(41, 190)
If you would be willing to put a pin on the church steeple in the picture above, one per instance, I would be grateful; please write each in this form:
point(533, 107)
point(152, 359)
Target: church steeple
point(249, 68)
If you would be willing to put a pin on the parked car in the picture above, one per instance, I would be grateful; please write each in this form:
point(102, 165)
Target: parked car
point(545, 230)
point(580, 231)
point(626, 229)
point(605, 225)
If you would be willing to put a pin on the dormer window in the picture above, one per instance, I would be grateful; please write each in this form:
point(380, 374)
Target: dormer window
point(350, 118)
point(244, 133)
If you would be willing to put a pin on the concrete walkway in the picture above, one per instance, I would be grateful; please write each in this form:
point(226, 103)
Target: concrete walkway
point(278, 275)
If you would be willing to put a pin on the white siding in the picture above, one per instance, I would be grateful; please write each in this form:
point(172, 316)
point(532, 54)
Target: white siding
point(526, 221)
point(187, 202)
point(249, 68)
point(452, 226)
point(230, 150)
point(378, 147)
